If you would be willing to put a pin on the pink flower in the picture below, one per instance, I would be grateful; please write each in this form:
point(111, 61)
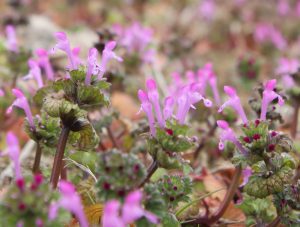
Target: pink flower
point(44, 63)
point(70, 201)
point(189, 95)
point(146, 106)
point(107, 55)
point(34, 73)
point(64, 45)
point(168, 107)
point(22, 103)
point(268, 96)
point(2, 93)
point(115, 215)
point(247, 173)
point(206, 76)
point(154, 99)
point(228, 135)
point(287, 66)
point(111, 217)
point(207, 9)
point(92, 66)
point(136, 39)
point(11, 42)
point(234, 102)
point(13, 151)
point(265, 32)
point(283, 7)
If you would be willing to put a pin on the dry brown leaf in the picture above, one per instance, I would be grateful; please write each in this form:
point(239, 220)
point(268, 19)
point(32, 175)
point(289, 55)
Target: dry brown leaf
point(125, 104)
point(212, 183)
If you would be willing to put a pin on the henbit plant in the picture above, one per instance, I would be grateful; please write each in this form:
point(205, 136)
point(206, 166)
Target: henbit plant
point(267, 156)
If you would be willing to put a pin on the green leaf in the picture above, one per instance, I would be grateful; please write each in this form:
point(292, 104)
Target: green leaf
point(170, 220)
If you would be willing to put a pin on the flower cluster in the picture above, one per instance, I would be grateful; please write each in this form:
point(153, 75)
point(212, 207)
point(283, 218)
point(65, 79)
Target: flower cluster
point(267, 33)
point(136, 39)
point(186, 98)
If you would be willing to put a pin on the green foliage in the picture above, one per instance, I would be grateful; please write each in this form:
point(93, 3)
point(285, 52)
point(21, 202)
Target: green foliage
point(174, 189)
point(30, 204)
point(257, 210)
point(260, 186)
point(118, 174)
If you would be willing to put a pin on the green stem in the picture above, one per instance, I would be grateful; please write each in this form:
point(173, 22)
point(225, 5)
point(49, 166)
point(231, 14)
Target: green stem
point(37, 159)
point(59, 155)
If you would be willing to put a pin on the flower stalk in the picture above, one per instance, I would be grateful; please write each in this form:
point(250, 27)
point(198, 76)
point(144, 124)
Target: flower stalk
point(59, 155)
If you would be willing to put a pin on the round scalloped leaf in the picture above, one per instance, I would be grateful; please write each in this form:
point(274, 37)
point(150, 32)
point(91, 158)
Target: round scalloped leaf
point(89, 95)
point(260, 186)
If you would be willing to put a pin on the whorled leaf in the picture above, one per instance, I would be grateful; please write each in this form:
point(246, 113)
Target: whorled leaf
point(261, 186)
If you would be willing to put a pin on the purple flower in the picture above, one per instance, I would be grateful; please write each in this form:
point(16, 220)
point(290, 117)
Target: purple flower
point(44, 62)
point(247, 173)
point(13, 151)
point(107, 55)
point(22, 103)
point(111, 217)
point(265, 32)
point(64, 45)
point(136, 39)
point(189, 95)
point(283, 7)
point(234, 102)
point(287, 66)
point(70, 201)
point(154, 99)
point(206, 76)
point(207, 9)
point(168, 107)
point(2, 93)
point(11, 42)
point(92, 66)
point(228, 135)
point(115, 215)
point(146, 106)
point(268, 96)
point(34, 73)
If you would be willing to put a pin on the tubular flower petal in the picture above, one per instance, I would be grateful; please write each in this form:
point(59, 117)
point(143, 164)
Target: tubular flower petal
point(268, 96)
point(131, 211)
point(107, 55)
point(64, 45)
point(11, 42)
point(146, 106)
point(154, 99)
point(35, 73)
point(234, 102)
point(168, 107)
point(44, 63)
point(92, 66)
point(22, 103)
point(70, 201)
point(228, 135)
